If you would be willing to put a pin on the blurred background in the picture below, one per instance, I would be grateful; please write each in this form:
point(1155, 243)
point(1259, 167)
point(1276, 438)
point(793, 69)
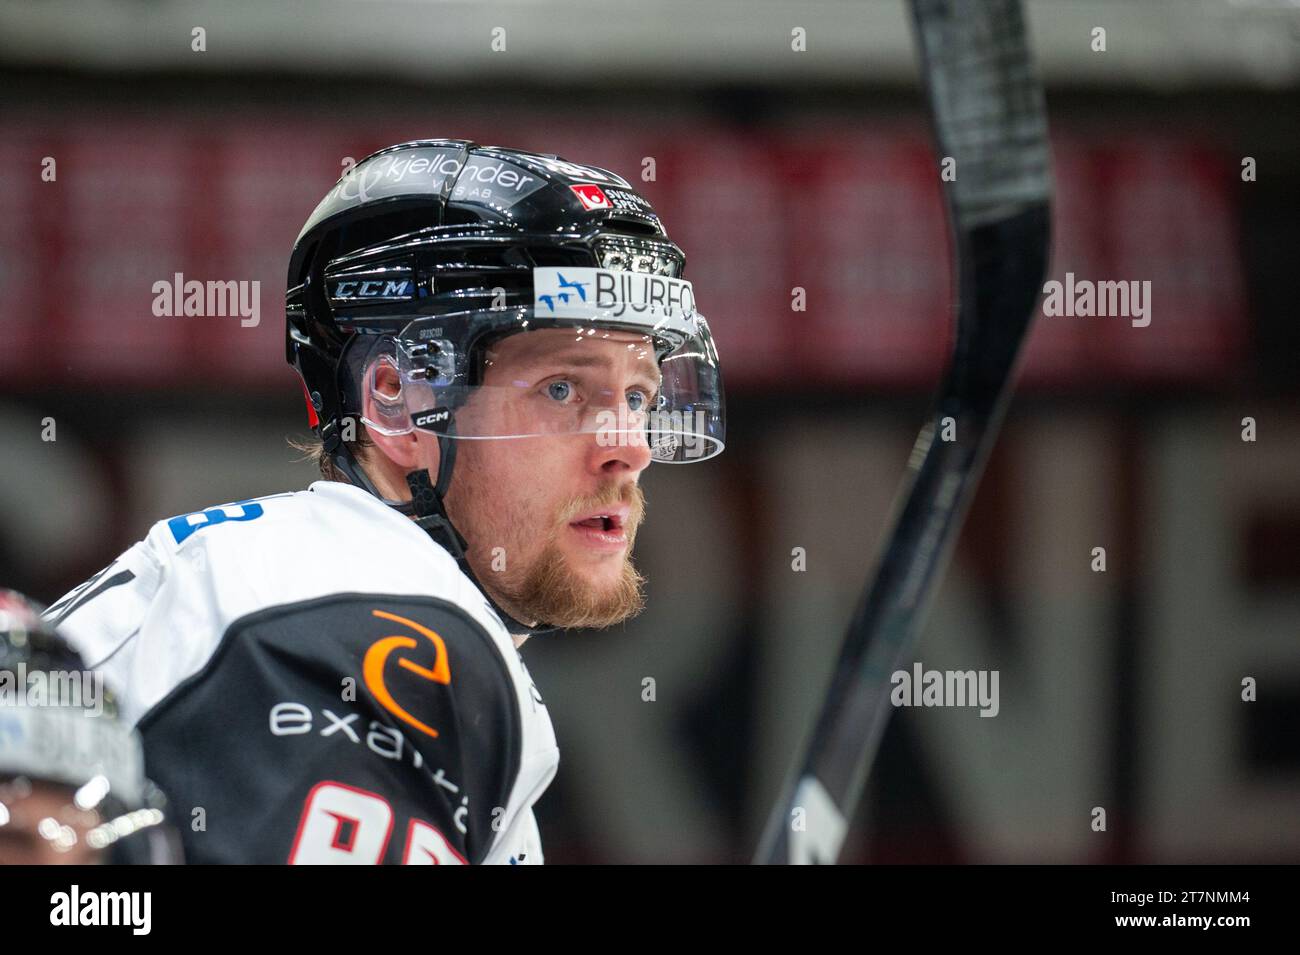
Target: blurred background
point(1176, 162)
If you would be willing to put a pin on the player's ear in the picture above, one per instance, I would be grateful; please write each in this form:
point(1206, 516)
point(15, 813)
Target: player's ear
point(385, 412)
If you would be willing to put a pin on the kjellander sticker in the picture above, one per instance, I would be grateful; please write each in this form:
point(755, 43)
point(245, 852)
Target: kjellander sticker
point(494, 182)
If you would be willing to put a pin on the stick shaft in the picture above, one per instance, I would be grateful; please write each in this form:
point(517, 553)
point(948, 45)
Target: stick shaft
point(989, 119)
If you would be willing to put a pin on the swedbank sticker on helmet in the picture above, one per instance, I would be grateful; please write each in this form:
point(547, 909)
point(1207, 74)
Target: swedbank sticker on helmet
point(580, 292)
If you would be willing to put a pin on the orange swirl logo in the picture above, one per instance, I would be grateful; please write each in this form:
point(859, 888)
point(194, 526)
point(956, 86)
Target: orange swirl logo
point(377, 658)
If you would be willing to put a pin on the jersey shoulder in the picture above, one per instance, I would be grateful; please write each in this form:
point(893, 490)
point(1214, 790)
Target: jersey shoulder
point(154, 616)
point(329, 538)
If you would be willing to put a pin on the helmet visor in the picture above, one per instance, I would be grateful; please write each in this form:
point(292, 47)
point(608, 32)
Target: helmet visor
point(626, 372)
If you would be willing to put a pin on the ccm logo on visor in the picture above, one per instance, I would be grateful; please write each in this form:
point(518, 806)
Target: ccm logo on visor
point(433, 420)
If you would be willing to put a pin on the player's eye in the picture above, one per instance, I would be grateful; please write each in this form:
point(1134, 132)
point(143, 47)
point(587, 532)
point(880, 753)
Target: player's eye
point(637, 400)
point(560, 390)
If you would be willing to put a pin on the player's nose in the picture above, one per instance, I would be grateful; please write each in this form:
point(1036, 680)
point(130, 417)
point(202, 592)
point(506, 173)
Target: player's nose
point(625, 450)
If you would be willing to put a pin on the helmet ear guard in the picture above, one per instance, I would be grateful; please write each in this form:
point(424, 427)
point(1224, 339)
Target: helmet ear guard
point(373, 383)
point(386, 401)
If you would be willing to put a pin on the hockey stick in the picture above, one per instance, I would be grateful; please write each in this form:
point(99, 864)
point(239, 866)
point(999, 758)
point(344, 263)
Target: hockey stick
point(989, 117)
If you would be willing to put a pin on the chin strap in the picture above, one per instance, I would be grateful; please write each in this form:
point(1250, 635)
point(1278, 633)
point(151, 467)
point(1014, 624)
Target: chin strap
point(431, 515)
point(341, 457)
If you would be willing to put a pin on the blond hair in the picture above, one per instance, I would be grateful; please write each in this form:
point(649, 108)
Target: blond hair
point(312, 448)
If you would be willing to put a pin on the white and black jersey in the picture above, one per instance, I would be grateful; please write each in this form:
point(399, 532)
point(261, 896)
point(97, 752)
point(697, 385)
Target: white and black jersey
point(316, 681)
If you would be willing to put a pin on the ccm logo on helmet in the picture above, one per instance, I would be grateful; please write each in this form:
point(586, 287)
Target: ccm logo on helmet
point(353, 289)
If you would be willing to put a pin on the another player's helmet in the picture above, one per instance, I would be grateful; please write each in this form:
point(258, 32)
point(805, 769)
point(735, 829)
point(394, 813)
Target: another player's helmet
point(425, 253)
point(72, 783)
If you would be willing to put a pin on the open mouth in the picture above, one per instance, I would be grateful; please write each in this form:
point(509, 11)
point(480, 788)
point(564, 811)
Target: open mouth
point(603, 522)
point(603, 530)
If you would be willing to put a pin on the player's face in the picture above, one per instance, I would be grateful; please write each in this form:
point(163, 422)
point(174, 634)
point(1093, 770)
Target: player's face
point(528, 506)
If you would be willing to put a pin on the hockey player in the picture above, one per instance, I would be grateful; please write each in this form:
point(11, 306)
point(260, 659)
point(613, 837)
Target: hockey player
point(72, 785)
point(493, 344)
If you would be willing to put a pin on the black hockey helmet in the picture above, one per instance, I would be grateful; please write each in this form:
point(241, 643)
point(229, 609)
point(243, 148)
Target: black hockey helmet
point(72, 780)
point(426, 252)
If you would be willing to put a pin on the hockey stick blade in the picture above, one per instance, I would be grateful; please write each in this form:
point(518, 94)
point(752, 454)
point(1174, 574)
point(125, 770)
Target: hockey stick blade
point(991, 131)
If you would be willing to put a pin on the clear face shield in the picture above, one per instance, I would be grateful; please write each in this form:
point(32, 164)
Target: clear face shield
point(620, 356)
